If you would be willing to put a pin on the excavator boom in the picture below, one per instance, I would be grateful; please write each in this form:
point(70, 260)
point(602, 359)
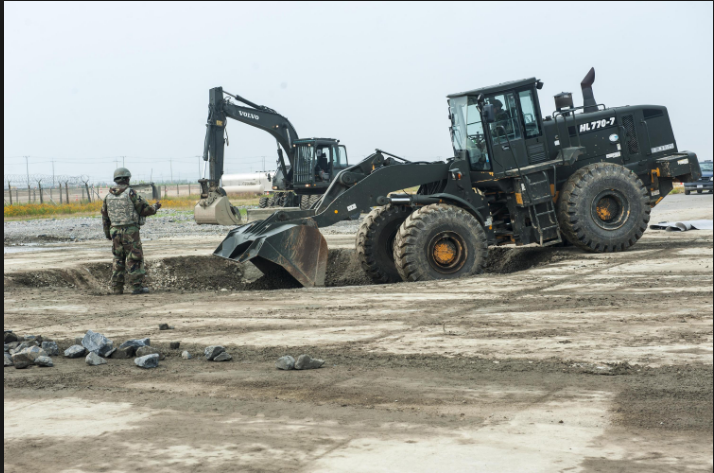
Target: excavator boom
point(214, 207)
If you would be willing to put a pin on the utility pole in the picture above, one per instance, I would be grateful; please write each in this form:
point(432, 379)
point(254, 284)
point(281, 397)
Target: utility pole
point(122, 161)
point(171, 170)
point(53, 173)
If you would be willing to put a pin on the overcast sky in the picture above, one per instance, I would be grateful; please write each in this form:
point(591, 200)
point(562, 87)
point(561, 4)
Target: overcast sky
point(85, 83)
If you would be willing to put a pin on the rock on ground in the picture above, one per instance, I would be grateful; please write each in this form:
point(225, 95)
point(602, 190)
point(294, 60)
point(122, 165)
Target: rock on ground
point(223, 357)
point(22, 346)
point(97, 343)
point(123, 353)
point(33, 338)
point(11, 337)
point(8, 360)
point(148, 361)
point(34, 352)
point(164, 327)
point(94, 360)
point(306, 362)
point(186, 355)
point(213, 351)
point(22, 360)
point(44, 361)
point(136, 343)
point(144, 351)
point(286, 362)
point(50, 347)
point(175, 345)
point(75, 351)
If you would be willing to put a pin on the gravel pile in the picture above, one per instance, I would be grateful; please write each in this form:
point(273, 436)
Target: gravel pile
point(167, 223)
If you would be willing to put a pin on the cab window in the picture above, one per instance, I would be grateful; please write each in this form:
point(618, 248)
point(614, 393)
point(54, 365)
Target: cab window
point(341, 157)
point(506, 126)
point(529, 114)
point(467, 133)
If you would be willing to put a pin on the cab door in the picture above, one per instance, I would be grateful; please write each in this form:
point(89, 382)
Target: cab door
point(507, 143)
point(532, 127)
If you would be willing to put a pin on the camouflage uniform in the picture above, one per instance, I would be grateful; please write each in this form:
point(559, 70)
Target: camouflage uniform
point(126, 242)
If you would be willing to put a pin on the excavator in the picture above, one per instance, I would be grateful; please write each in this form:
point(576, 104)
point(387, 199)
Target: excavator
point(306, 166)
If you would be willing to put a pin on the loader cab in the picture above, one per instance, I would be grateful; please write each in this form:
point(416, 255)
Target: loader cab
point(508, 137)
point(317, 160)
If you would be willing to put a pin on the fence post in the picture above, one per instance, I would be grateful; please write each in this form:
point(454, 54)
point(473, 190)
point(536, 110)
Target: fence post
point(166, 193)
point(17, 195)
point(60, 190)
point(39, 187)
point(9, 191)
point(189, 189)
point(89, 196)
point(177, 190)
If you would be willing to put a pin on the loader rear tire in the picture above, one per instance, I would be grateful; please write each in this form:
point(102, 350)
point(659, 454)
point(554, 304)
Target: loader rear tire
point(440, 241)
point(604, 207)
point(263, 202)
point(375, 243)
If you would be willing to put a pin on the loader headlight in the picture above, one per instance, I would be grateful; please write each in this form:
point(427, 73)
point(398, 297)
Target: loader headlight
point(614, 138)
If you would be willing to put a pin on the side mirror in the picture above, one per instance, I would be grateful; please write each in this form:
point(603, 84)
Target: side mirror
point(488, 113)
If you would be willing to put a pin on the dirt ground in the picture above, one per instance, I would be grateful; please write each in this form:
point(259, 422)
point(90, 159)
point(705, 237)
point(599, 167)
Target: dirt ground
point(553, 361)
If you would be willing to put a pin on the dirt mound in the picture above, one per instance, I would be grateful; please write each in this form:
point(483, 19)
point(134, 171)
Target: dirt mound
point(343, 269)
point(504, 260)
point(206, 273)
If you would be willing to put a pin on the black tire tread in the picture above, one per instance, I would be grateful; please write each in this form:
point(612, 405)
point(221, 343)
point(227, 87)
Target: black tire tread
point(417, 222)
point(569, 202)
point(364, 244)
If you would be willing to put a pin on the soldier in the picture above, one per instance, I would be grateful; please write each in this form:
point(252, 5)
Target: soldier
point(123, 212)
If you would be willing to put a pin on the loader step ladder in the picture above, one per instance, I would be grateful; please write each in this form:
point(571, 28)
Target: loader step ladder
point(537, 196)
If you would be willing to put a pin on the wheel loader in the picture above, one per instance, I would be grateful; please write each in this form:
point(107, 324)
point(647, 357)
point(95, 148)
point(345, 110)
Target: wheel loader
point(311, 163)
point(586, 176)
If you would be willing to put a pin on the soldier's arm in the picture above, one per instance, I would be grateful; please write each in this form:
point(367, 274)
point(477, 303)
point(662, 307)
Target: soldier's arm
point(106, 223)
point(142, 207)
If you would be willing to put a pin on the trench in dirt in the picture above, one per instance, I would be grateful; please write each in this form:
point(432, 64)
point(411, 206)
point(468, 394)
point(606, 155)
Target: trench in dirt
point(202, 273)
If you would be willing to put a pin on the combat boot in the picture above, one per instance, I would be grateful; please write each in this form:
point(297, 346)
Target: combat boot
point(140, 290)
point(118, 290)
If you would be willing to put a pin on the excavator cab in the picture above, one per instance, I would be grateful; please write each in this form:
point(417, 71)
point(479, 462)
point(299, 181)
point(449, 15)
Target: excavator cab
point(317, 161)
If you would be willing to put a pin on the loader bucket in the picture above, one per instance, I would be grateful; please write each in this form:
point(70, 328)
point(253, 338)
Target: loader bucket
point(217, 212)
point(298, 247)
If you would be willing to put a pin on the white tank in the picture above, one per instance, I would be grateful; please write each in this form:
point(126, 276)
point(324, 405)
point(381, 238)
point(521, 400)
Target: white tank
point(253, 183)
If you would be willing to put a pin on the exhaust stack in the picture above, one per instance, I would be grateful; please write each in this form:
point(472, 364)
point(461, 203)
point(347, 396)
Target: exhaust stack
point(587, 86)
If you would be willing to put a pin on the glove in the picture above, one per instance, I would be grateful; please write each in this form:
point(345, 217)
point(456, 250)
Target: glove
point(157, 205)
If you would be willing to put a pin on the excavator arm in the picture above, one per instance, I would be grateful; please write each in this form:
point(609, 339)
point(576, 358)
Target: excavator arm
point(214, 207)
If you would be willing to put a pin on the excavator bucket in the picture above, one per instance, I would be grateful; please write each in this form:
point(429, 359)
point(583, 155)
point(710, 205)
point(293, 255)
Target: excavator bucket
point(216, 210)
point(297, 247)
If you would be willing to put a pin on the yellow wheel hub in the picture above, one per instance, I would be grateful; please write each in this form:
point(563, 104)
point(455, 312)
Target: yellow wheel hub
point(445, 252)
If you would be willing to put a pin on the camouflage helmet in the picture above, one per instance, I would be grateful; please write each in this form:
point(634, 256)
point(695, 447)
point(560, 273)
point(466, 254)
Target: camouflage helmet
point(121, 173)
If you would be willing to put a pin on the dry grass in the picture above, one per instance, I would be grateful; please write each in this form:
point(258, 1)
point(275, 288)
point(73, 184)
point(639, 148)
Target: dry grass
point(50, 210)
point(15, 212)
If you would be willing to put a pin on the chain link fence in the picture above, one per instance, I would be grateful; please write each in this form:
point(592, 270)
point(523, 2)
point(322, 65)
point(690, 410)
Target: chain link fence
point(57, 189)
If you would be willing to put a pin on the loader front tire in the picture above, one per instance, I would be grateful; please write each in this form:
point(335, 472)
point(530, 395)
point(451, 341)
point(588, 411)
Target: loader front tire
point(263, 202)
point(375, 243)
point(440, 241)
point(604, 207)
